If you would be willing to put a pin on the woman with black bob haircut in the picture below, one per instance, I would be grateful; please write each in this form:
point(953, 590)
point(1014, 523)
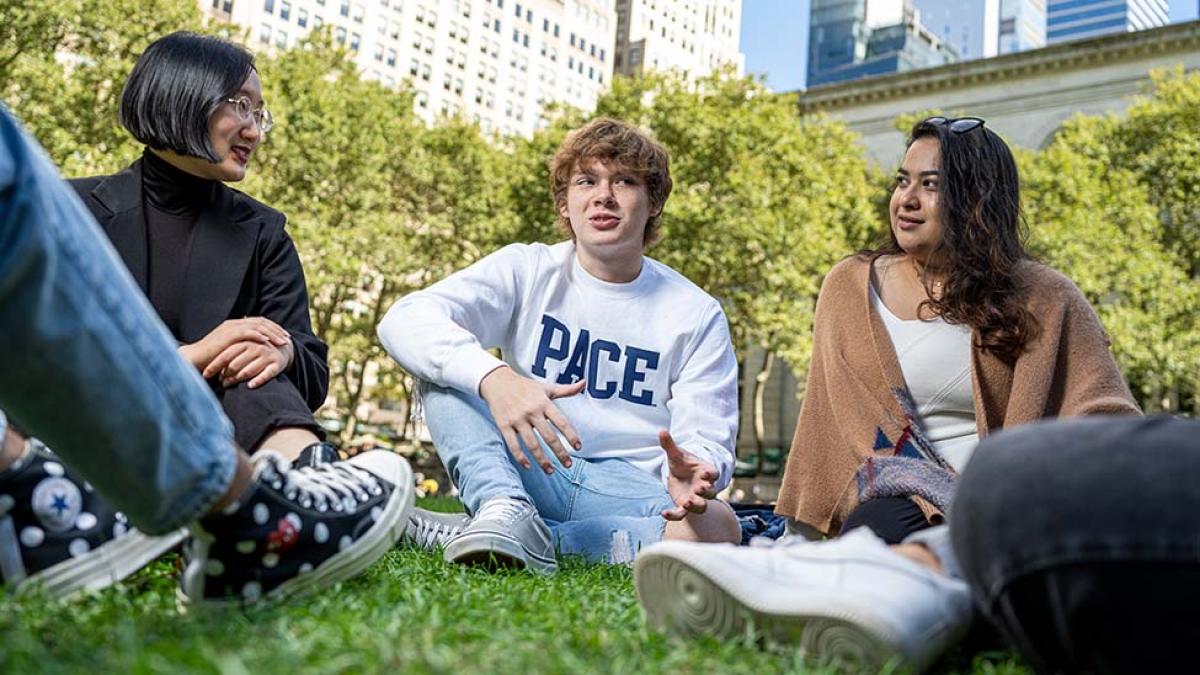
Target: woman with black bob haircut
point(945, 333)
point(217, 265)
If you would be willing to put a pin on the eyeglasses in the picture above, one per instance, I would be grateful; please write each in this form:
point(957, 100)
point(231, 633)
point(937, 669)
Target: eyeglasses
point(959, 125)
point(245, 109)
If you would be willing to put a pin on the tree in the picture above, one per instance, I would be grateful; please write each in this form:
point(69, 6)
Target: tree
point(63, 64)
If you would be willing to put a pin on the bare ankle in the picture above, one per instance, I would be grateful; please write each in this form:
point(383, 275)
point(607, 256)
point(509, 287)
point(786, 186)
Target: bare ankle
point(243, 476)
point(918, 553)
point(12, 448)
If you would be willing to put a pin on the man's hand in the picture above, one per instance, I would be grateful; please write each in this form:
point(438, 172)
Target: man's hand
point(244, 360)
point(252, 329)
point(690, 482)
point(520, 406)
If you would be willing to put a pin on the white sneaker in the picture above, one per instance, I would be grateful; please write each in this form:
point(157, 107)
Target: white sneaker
point(430, 529)
point(851, 600)
point(505, 533)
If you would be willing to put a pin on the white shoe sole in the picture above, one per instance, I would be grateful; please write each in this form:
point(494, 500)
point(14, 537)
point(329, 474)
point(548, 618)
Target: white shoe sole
point(493, 550)
point(103, 566)
point(679, 597)
point(343, 565)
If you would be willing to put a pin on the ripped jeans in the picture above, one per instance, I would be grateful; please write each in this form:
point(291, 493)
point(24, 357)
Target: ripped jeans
point(603, 509)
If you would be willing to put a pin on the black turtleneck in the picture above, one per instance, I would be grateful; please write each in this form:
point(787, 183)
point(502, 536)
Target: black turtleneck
point(173, 200)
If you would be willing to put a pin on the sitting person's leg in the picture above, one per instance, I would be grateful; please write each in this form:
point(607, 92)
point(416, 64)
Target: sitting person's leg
point(273, 416)
point(617, 510)
point(584, 505)
point(890, 518)
point(89, 368)
point(506, 528)
point(1079, 540)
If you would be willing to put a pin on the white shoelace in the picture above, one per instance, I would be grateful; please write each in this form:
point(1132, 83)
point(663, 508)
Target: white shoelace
point(503, 509)
point(338, 487)
point(430, 532)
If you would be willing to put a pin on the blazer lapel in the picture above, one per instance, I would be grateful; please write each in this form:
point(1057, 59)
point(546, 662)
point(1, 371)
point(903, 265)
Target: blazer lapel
point(121, 194)
point(222, 244)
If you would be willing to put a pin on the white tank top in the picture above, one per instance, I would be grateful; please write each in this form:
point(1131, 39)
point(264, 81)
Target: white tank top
point(935, 359)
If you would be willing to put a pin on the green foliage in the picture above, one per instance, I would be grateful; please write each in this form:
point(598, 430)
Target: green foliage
point(63, 64)
point(1114, 204)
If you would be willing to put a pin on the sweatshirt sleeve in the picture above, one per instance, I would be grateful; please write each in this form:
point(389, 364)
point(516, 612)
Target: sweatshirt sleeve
point(704, 403)
point(441, 334)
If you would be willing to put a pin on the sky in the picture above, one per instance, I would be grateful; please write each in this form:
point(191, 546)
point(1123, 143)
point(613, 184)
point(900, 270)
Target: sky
point(775, 35)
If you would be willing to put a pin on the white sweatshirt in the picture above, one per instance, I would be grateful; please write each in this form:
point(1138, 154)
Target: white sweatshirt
point(655, 351)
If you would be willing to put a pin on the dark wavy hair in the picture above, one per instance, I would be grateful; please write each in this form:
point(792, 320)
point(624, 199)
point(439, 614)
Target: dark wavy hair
point(983, 238)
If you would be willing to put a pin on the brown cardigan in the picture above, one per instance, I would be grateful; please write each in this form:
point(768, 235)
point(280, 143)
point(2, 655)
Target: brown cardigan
point(850, 412)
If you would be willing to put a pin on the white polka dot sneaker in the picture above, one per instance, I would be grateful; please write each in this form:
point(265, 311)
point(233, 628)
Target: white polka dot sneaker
point(297, 530)
point(60, 536)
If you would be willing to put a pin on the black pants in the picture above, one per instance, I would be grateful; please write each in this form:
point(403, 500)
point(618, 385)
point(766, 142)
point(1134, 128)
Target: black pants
point(1081, 542)
point(257, 412)
point(890, 518)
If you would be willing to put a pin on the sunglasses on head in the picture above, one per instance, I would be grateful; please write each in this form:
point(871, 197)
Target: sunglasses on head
point(959, 125)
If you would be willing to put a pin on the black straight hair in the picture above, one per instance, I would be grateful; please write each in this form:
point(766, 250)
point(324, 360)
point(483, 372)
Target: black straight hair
point(175, 87)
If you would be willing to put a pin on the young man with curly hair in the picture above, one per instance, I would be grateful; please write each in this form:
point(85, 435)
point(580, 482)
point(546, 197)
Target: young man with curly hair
point(616, 378)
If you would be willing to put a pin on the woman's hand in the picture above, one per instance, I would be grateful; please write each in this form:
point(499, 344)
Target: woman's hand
point(247, 360)
point(254, 329)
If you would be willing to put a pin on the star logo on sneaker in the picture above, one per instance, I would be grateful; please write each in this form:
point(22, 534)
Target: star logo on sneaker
point(57, 502)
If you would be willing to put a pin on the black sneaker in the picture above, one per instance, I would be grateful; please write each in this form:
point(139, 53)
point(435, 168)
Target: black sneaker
point(316, 454)
point(58, 534)
point(298, 529)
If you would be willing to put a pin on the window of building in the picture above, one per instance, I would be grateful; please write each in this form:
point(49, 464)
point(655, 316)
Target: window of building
point(572, 39)
point(426, 71)
point(344, 8)
point(545, 25)
point(525, 40)
point(285, 10)
point(413, 66)
point(318, 22)
point(269, 6)
point(281, 39)
point(264, 34)
point(358, 13)
point(378, 52)
point(555, 30)
point(518, 10)
point(516, 35)
point(391, 57)
point(302, 18)
point(227, 6)
point(339, 34)
point(601, 56)
point(355, 39)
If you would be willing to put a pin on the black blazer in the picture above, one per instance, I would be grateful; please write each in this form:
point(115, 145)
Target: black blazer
point(242, 264)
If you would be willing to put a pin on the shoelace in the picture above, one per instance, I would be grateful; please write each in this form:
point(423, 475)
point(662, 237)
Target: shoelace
point(505, 510)
point(337, 487)
point(430, 532)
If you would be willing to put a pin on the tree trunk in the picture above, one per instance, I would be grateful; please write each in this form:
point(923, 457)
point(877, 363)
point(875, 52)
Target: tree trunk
point(760, 390)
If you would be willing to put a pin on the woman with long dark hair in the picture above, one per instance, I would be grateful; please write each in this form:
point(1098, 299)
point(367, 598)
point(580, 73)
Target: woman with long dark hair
point(947, 332)
point(217, 265)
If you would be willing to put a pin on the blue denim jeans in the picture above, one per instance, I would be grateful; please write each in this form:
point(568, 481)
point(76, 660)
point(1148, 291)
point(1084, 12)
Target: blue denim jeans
point(86, 365)
point(603, 509)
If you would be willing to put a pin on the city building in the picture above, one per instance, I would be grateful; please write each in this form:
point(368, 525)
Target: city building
point(851, 39)
point(498, 62)
point(692, 36)
point(1076, 19)
point(985, 28)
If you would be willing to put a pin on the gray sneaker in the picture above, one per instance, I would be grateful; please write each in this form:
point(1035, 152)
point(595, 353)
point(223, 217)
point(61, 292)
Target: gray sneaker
point(431, 529)
point(505, 533)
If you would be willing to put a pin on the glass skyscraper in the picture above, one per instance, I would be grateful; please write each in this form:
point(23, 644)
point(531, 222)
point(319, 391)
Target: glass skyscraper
point(1076, 19)
point(850, 39)
point(985, 28)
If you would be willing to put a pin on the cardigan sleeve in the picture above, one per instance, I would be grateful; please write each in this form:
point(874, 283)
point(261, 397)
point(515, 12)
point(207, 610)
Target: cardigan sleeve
point(1069, 369)
point(284, 300)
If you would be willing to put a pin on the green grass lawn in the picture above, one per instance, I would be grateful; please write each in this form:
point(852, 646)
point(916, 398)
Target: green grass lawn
point(411, 612)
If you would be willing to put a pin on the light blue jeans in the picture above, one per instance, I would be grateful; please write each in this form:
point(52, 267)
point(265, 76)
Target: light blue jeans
point(86, 365)
point(603, 509)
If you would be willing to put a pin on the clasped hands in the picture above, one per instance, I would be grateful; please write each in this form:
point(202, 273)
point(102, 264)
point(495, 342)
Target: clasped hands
point(520, 406)
point(255, 349)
